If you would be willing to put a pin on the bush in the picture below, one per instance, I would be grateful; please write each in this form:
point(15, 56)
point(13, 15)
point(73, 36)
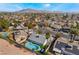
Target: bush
point(47, 35)
point(38, 32)
point(4, 24)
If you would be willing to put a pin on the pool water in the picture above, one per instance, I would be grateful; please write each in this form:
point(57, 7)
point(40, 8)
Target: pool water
point(5, 35)
point(32, 46)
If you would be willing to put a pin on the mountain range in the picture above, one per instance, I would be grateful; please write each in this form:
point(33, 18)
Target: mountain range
point(33, 11)
point(37, 11)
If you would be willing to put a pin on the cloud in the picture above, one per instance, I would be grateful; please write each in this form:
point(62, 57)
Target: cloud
point(47, 5)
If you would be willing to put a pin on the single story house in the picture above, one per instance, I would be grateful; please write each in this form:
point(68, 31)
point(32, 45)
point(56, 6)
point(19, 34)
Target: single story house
point(64, 48)
point(38, 38)
point(20, 34)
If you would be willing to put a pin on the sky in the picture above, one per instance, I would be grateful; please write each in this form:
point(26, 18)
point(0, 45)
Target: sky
point(66, 7)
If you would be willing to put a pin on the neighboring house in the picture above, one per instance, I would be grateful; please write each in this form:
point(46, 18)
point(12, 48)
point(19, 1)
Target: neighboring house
point(20, 34)
point(38, 38)
point(64, 48)
point(65, 29)
point(57, 26)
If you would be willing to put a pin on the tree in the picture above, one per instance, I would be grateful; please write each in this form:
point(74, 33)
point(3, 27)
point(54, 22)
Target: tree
point(77, 25)
point(58, 35)
point(38, 31)
point(30, 25)
point(47, 17)
point(74, 31)
point(47, 35)
point(16, 22)
point(4, 24)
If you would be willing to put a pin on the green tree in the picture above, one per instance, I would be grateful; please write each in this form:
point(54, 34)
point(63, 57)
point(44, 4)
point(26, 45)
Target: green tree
point(4, 24)
point(74, 31)
point(30, 25)
point(16, 22)
point(47, 35)
point(38, 31)
point(58, 35)
point(77, 25)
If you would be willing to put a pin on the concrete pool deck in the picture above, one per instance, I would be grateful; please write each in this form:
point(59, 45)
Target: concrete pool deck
point(7, 49)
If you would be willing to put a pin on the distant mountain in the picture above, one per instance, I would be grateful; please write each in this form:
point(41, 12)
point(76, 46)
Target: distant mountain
point(37, 11)
point(33, 11)
point(28, 10)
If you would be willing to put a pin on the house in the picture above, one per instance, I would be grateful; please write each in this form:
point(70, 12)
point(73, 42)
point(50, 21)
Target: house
point(65, 29)
point(66, 49)
point(55, 25)
point(20, 34)
point(38, 38)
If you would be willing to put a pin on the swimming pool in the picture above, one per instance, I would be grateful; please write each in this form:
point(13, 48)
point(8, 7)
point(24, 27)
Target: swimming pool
point(5, 35)
point(32, 46)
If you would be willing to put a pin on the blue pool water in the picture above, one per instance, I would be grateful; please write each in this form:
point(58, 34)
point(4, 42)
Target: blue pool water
point(5, 35)
point(32, 46)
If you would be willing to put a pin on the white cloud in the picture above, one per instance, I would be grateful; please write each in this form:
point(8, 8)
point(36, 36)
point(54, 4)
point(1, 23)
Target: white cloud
point(47, 5)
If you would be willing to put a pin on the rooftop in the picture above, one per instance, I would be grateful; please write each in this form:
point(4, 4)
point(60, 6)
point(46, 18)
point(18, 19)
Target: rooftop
point(60, 47)
point(39, 39)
